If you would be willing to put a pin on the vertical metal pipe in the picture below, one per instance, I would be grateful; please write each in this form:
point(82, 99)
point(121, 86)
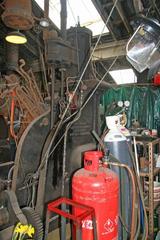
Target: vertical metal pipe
point(52, 95)
point(12, 56)
point(46, 8)
point(44, 72)
point(63, 223)
point(47, 225)
point(78, 232)
point(94, 113)
point(62, 70)
point(64, 19)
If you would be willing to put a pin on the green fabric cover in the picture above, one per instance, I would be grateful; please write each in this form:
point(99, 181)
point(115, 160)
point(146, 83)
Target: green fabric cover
point(144, 104)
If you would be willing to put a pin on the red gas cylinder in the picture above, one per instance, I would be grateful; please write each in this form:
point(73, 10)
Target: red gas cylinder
point(97, 187)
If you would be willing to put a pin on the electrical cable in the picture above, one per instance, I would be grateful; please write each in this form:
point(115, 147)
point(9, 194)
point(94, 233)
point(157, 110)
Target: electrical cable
point(105, 69)
point(78, 60)
point(67, 83)
point(2, 5)
point(9, 177)
point(138, 227)
point(153, 2)
point(100, 140)
point(44, 72)
point(55, 131)
point(77, 47)
point(61, 138)
point(93, 53)
point(82, 106)
point(101, 143)
point(8, 84)
point(124, 224)
point(65, 149)
point(4, 104)
point(86, 7)
point(33, 195)
point(72, 11)
point(95, 72)
point(99, 83)
point(53, 6)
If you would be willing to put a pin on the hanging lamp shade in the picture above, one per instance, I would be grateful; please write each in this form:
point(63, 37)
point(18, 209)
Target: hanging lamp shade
point(16, 38)
point(18, 14)
point(143, 47)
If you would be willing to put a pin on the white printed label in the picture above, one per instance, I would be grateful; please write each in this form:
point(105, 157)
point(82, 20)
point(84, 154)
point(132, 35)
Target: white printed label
point(87, 224)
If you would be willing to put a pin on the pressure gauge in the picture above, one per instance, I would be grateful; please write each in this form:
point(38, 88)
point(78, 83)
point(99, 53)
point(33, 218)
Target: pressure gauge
point(120, 104)
point(126, 103)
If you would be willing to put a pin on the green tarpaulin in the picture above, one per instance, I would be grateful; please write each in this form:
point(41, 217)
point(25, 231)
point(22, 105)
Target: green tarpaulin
point(144, 104)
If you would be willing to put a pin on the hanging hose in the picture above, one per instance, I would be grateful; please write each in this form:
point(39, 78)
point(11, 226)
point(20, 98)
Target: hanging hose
point(133, 196)
point(64, 151)
point(138, 221)
point(145, 233)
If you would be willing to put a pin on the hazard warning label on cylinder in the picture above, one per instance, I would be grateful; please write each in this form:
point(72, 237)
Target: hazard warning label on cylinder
point(110, 225)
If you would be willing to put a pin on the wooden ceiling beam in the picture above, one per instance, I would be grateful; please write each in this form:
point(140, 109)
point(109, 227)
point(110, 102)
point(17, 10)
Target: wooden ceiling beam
point(110, 50)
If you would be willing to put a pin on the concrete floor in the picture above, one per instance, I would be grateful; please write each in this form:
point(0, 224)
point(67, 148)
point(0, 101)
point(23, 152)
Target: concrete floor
point(55, 234)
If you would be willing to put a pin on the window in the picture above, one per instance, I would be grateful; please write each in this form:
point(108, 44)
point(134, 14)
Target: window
point(124, 76)
point(78, 10)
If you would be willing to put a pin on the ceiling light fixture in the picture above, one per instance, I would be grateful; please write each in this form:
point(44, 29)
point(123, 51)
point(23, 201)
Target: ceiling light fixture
point(16, 38)
point(44, 22)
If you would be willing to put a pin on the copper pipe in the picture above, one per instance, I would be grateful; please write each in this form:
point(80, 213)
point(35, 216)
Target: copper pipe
point(133, 195)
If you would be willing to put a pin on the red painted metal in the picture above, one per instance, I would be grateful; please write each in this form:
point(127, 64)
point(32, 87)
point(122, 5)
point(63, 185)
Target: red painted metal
point(97, 187)
point(85, 210)
point(156, 79)
point(18, 14)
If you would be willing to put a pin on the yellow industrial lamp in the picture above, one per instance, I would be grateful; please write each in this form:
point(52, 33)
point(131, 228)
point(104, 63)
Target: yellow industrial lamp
point(16, 37)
